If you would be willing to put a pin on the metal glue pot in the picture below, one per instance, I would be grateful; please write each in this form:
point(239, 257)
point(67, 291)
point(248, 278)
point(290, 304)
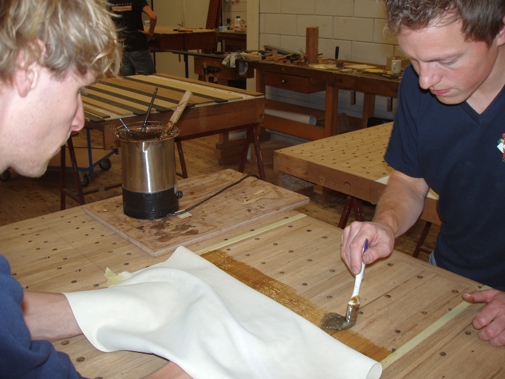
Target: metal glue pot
point(148, 171)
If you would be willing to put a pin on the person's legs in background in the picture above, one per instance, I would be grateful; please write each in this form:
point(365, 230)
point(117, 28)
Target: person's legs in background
point(127, 66)
point(140, 62)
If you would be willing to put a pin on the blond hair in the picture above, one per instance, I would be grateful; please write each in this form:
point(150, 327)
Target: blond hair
point(64, 36)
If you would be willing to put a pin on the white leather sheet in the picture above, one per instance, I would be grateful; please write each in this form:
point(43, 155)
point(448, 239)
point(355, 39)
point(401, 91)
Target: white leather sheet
point(189, 311)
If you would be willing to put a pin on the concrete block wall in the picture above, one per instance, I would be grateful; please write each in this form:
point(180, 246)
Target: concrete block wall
point(356, 26)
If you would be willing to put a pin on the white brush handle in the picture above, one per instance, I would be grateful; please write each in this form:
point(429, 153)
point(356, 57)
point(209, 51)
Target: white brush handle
point(357, 282)
point(359, 277)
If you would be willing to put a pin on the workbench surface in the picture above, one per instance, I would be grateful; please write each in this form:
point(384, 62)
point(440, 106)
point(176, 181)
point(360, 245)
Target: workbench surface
point(351, 163)
point(412, 319)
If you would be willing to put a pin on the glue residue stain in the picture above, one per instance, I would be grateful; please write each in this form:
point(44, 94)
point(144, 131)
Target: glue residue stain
point(134, 135)
point(287, 296)
point(177, 231)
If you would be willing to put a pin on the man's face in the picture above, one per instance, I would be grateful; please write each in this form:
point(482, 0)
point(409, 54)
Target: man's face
point(55, 110)
point(452, 68)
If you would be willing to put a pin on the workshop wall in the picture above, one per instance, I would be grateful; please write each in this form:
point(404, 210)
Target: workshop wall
point(356, 26)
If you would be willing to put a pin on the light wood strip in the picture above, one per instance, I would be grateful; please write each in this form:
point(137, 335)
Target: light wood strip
point(193, 87)
point(105, 106)
point(95, 112)
point(107, 97)
point(414, 342)
point(136, 99)
point(145, 89)
point(253, 233)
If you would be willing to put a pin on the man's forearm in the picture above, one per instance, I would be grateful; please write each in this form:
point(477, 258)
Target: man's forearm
point(49, 316)
point(401, 203)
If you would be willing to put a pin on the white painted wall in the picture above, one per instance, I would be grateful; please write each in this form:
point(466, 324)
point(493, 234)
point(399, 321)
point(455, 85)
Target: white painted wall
point(356, 26)
point(191, 13)
point(234, 8)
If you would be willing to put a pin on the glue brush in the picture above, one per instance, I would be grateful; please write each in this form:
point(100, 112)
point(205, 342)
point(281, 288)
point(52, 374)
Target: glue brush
point(149, 110)
point(126, 127)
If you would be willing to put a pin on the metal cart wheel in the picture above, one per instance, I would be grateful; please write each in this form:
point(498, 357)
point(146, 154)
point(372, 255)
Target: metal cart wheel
point(5, 176)
point(105, 164)
point(85, 180)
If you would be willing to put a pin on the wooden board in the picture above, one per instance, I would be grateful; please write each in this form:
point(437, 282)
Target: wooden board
point(249, 201)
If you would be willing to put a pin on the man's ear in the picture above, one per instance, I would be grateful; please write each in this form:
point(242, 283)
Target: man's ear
point(27, 75)
point(501, 34)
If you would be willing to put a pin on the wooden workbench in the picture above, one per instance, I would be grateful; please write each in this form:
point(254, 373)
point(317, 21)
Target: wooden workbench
point(351, 163)
point(307, 80)
point(212, 109)
point(232, 40)
point(175, 38)
point(412, 317)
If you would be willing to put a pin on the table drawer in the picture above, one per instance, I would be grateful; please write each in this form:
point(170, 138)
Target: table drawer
point(293, 83)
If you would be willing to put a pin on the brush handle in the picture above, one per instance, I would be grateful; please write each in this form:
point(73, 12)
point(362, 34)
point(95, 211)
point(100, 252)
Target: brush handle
point(149, 108)
point(359, 277)
point(180, 107)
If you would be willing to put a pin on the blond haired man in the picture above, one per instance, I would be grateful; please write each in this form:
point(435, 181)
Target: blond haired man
point(49, 51)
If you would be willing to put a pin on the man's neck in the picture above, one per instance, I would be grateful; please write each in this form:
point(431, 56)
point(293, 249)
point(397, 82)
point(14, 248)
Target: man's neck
point(494, 83)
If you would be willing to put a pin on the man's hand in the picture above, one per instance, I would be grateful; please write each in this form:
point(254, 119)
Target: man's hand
point(381, 240)
point(490, 322)
point(149, 34)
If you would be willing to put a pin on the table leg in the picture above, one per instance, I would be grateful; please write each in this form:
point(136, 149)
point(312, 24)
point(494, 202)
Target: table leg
point(359, 215)
point(182, 161)
point(331, 126)
point(252, 136)
point(368, 108)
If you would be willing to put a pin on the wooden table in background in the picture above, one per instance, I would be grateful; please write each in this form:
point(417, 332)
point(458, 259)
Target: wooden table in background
point(307, 80)
point(175, 38)
point(412, 317)
point(234, 39)
point(351, 163)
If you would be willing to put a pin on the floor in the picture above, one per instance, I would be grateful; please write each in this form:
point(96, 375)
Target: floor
point(24, 198)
